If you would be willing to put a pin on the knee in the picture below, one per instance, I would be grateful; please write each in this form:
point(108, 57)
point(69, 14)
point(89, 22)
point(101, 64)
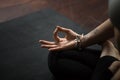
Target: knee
point(51, 59)
point(115, 66)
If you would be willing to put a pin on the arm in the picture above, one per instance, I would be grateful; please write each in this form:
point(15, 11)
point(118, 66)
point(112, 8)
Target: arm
point(99, 34)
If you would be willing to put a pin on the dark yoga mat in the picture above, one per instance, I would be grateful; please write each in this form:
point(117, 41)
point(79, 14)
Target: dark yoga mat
point(21, 57)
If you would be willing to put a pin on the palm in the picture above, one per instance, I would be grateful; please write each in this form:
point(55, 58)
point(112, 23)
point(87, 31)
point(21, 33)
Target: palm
point(60, 43)
point(63, 44)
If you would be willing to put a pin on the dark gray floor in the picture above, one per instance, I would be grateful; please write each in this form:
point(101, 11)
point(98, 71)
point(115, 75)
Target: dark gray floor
point(21, 57)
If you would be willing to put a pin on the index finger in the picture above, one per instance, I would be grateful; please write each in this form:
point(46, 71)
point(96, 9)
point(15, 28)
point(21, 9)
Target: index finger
point(46, 42)
point(55, 35)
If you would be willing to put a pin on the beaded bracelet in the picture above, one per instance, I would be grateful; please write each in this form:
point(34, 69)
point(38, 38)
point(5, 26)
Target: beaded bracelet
point(78, 41)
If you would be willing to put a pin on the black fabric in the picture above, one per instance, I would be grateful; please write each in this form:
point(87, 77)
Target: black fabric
point(101, 71)
point(73, 64)
point(21, 57)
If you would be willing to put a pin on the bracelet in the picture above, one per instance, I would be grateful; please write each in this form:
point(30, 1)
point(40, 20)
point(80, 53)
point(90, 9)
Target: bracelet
point(78, 42)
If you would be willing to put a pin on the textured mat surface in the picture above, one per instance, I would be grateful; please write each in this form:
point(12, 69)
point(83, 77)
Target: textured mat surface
point(21, 57)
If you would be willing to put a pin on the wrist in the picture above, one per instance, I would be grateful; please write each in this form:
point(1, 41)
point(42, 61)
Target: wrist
point(79, 41)
point(83, 41)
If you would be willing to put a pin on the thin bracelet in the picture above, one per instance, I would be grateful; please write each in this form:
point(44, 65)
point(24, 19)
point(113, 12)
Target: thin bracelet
point(79, 41)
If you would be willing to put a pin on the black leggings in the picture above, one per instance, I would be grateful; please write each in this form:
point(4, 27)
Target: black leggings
point(101, 71)
point(73, 64)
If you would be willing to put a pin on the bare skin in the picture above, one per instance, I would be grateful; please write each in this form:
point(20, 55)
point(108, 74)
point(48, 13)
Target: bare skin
point(95, 36)
point(110, 50)
point(100, 34)
point(60, 43)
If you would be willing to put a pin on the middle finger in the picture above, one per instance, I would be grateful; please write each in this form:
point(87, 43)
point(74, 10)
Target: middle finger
point(46, 42)
point(48, 46)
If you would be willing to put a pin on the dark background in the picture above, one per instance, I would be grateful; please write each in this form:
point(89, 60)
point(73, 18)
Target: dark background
point(19, 49)
point(88, 13)
point(21, 57)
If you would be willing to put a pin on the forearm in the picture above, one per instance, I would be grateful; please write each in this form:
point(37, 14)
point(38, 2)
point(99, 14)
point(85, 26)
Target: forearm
point(99, 34)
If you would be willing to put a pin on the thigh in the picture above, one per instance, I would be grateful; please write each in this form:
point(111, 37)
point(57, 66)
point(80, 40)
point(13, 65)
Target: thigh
point(87, 57)
point(73, 63)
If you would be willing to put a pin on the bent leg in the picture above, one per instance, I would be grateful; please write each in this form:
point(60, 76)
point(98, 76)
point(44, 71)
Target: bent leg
point(107, 64)
point(110, 50)
point(102, 71)
point(73, 63)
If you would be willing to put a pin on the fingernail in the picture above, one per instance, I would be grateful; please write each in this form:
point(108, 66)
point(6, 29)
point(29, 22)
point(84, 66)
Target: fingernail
point(41, 41)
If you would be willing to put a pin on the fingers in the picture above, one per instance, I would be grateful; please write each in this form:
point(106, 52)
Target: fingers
point(48, 46)
point(59, 48)
point(66, 30)
point(66, 46)
point(59, 29)
point(55, 35)
point(56, 49)
point(46, 42)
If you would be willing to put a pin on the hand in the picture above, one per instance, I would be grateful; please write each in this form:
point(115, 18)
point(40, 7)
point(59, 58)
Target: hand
point(70, 34)
point(68, 42)
point(63, 44)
